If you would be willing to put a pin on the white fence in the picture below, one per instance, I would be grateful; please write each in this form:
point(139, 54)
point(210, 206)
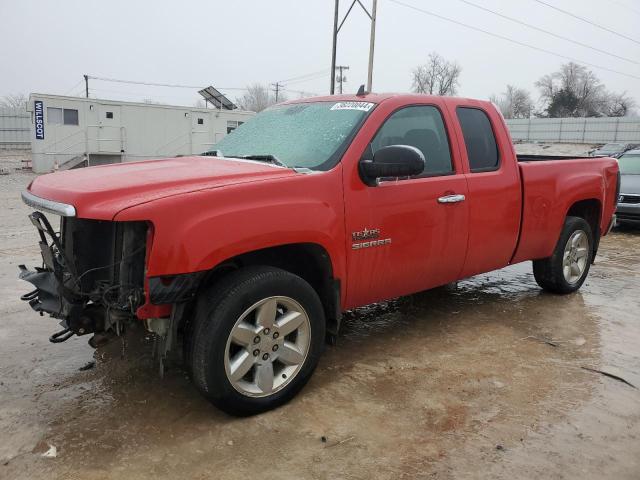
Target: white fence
point(576, 130)
point(15, 129)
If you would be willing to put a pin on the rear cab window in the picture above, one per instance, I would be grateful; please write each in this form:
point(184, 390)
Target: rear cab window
point(479, 139)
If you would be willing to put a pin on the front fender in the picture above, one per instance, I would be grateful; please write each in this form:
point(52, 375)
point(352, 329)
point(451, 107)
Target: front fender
point(199, 230)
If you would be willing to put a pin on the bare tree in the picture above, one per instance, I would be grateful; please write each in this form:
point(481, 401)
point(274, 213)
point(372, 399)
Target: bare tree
point(514, 103)
point(258, 97)
point(619, 105)
point(436, 77)
point(16, 101)
point(576, 91)
point(547, 87)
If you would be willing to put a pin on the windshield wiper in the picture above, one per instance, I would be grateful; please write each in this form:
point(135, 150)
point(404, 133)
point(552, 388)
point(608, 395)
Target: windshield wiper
point(266, 158)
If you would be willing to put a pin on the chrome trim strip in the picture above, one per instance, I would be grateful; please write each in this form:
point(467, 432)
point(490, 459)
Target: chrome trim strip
point(49, 206)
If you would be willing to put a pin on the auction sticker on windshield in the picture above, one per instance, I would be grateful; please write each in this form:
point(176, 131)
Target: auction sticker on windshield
point(362, 106)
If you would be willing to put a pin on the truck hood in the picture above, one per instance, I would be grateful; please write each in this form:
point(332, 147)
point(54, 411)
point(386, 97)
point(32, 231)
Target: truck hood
point(101, 192)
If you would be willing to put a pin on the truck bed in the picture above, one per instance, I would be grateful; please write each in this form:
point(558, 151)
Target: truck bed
point(549, 190)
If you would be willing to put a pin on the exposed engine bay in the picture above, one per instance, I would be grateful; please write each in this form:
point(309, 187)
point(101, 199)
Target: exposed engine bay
point(92, 276)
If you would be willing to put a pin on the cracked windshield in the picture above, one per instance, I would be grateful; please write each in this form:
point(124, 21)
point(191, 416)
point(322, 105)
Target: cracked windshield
point(302, 135)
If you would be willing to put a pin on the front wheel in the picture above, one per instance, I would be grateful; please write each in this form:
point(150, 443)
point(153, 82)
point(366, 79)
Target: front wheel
point(257, 338)
point(566, 269)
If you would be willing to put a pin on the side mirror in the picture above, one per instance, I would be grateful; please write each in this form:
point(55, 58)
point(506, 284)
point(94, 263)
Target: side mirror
point(392, 161)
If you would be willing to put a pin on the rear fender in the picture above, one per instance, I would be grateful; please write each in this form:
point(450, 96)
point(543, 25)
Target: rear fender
point(548, 200)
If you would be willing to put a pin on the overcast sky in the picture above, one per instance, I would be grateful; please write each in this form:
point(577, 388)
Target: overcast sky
point(46, 46)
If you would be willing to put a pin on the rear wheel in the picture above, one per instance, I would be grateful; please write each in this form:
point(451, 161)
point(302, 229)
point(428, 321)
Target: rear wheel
point(566, 269)
point(257, 338)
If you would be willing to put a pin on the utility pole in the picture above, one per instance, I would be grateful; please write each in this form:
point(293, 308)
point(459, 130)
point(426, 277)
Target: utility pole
point(276, 88)
point(372, 39)
point(333, 51)
point(86, 85)
point(341, 78)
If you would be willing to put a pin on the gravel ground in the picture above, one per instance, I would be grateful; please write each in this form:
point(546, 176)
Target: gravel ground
point(482, 379)
point(12, 160)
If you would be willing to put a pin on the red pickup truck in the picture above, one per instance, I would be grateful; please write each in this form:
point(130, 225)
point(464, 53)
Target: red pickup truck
point(249, 253)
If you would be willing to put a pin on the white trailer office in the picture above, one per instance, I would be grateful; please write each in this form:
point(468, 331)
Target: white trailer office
point(72, 131)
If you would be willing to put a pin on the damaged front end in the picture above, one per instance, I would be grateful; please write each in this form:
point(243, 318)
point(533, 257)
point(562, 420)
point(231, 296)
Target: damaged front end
point(92, 276)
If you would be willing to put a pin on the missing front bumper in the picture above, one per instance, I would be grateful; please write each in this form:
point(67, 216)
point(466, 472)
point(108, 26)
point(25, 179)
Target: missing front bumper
point(92, 274)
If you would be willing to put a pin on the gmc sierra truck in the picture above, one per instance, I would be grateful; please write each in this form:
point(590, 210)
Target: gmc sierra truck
point(247, 255)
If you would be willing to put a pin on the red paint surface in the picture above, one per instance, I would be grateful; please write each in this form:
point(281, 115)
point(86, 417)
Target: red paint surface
point(206, 210)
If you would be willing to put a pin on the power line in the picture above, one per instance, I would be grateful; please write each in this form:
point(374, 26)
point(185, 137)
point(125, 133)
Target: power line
point(511, 40)
point(561, 37)
point(323, 71)
point(151, 84)
point(74, 87)
point(298, 79)
point(278, 85)
point(586, 20)
point(128, 93)
point(301, 92)
point(303, 80)
point(637, 12)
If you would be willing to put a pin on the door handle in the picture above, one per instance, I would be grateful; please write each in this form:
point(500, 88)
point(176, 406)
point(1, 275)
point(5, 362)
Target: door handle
point(451, 198)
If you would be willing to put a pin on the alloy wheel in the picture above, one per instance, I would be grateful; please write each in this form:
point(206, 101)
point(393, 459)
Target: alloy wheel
point(267, 346)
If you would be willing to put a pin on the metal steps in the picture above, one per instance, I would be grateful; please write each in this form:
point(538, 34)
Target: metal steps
point(78, 161)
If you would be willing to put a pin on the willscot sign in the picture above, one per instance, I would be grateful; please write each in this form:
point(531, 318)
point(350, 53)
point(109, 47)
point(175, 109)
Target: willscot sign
point(38, 112)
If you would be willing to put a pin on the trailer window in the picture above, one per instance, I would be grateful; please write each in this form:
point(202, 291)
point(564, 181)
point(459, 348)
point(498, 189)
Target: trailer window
point(482, 150)
point(70, 116)
point(231, 125)
point(54, 116)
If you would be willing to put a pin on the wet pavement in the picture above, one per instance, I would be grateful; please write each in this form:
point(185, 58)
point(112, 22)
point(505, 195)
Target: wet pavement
point(485, 378)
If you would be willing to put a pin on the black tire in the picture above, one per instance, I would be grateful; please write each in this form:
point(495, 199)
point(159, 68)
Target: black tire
point(218, 309)
point(548, 272)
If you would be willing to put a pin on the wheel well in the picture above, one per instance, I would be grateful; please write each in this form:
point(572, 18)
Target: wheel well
point(591, 211)
point(307, 260)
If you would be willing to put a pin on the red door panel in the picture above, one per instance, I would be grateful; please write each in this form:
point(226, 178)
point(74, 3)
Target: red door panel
point(428, 239)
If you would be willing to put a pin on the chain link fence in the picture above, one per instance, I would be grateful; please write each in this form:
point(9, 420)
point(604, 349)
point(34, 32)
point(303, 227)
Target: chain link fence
point(576, 130)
